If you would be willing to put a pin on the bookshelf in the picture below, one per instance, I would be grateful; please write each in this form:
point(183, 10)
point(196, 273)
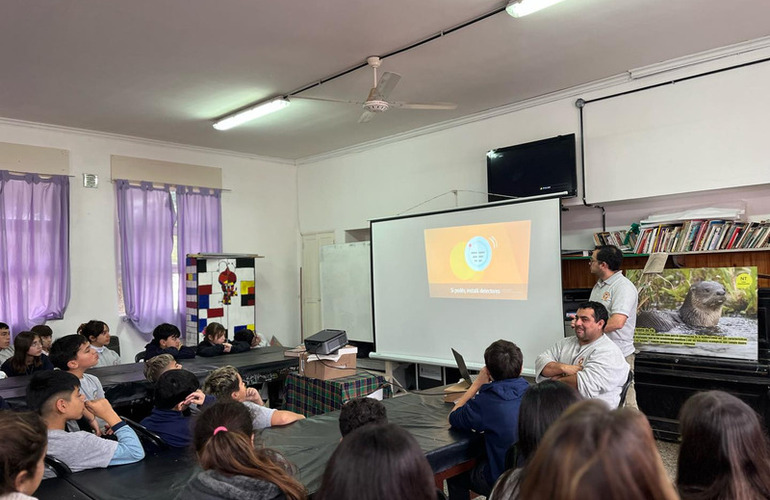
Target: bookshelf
point(575, 273)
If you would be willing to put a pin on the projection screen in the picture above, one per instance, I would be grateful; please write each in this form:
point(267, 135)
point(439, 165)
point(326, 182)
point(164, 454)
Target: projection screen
point(464, 278)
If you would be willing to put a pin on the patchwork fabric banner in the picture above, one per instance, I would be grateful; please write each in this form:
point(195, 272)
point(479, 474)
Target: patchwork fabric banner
point(220, 290)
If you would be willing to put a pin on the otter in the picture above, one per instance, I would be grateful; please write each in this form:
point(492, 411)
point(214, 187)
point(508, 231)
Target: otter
point(702, 308)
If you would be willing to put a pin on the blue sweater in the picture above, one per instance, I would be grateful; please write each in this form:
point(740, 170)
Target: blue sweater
point(171, 425)
point(7, 367)
point(495, 412)
point(152, 349)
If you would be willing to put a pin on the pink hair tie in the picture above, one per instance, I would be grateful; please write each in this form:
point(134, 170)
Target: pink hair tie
point(220, 428)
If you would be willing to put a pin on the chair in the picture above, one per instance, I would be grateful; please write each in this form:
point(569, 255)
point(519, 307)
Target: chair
point(625, 388)
point(150, 440)
point(114, 344)
point(140, 356)
point(57, 466)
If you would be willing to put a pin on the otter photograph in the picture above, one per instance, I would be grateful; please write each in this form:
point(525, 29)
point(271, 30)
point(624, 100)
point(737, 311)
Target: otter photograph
point(699, 311)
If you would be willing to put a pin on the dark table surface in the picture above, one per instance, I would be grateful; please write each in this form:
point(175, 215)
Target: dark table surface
point(160, 475)
point(307, 443)
point(125, 383)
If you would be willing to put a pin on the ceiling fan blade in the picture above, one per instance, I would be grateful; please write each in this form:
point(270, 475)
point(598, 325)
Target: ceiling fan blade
point(424, 105)
point(366, 116)
point(387, 83)
point(324, 99)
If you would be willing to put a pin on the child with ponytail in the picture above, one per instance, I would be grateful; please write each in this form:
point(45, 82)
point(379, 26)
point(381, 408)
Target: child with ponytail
point(233, 468)
point(98, 334)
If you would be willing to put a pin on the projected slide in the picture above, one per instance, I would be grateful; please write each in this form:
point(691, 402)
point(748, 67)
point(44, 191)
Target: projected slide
point(482, 261)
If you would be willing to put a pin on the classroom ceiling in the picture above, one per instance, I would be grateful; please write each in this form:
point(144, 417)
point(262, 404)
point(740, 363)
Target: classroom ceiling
point(164, 69)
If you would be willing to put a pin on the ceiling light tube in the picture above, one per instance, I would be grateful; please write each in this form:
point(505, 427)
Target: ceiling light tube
point(521, 8)
point(261, 109)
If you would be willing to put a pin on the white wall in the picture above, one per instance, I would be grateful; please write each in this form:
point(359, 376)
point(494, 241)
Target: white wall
point(342, 193)
point(259, 216)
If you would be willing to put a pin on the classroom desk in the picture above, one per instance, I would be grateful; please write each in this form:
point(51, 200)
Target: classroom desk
point(161, 475)
point(59, 489)
point(309, 443)
point(125, 383)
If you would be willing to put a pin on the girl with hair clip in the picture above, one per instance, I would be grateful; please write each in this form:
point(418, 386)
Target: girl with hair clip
point(541, 406)
point(98, 334)
point(22, 452)
point(28, 356)
point(378, 462)
point(232, 467)
point(724, 452)
point(594, 452)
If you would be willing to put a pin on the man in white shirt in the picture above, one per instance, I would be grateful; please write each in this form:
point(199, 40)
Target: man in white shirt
point(621, 298)
point(590, 362)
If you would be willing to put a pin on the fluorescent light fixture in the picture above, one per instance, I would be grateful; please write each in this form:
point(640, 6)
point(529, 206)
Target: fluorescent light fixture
point(261, 109)
point(521, 8)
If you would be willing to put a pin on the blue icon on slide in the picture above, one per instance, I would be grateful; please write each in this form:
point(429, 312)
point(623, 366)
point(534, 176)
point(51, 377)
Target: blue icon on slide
point(478, 253)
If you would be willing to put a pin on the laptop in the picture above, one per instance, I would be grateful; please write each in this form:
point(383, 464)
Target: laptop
point(464, 373)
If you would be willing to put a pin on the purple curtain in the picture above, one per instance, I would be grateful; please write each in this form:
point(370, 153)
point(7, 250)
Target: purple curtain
point(199, 230)
point(34, 249)
point(145, 229)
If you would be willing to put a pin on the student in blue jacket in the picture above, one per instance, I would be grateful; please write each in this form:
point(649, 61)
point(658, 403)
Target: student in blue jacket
point(491, 406)
point(166, 340)
point(175, 391)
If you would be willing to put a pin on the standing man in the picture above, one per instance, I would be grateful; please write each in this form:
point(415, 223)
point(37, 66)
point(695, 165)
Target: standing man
point(620, 297)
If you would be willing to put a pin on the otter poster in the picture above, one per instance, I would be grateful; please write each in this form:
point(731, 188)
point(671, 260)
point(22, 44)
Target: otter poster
point(699, 312)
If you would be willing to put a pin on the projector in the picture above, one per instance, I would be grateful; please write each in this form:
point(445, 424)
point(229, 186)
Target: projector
point(326, 341)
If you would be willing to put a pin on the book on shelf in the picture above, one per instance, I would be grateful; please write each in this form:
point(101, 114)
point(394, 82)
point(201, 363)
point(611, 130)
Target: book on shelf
point(622, 239)
point(702, 235)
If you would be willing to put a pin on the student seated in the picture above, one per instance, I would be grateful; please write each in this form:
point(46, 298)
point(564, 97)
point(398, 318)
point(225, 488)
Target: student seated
point(491, 406)
point(22, 454)
point(233, 469)
point(594, 452)
point(74, 354)
point(724, 451)
point(159, 365)
point(247, 336)
point(541, 406)
point(56, 396)
point(377, 461)
point(28, 356)
point(175, 391)
point(98, 334)
point(215, 342)
point(226, 384)
point(359, 412)
point(166, 339)
point(46, 337)
point(6, 349)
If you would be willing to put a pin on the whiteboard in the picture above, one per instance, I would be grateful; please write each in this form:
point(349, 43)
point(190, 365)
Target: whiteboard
point(701, 134)
point(346, 292)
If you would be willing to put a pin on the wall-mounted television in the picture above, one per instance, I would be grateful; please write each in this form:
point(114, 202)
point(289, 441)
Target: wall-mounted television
point(534, 168)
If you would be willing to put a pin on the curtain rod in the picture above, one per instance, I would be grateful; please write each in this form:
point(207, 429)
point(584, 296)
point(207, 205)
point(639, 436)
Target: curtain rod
point(162, 184)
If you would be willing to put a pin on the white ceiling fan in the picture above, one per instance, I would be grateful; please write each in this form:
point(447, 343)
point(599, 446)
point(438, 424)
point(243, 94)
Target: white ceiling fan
point(377, 101)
